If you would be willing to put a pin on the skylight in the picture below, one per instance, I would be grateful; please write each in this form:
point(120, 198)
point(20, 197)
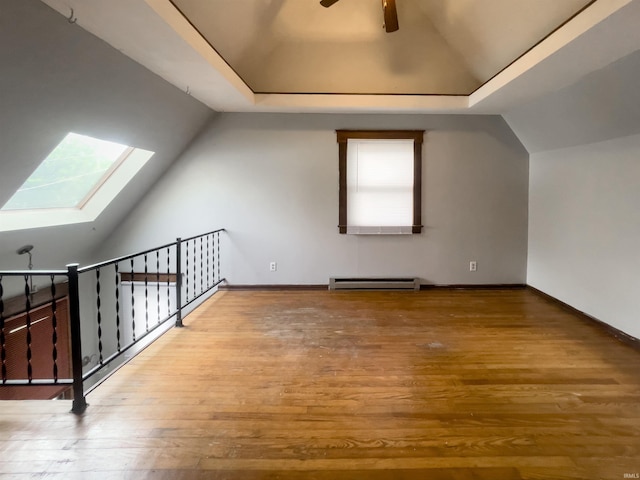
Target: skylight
point(69, 174)
point(74, 184)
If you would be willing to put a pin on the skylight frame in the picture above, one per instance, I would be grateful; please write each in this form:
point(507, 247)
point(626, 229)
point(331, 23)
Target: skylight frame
point(105, 177)
point(114, 179)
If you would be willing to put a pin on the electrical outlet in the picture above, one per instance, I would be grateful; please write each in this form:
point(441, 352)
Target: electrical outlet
point(473, 266)
point(273, 266)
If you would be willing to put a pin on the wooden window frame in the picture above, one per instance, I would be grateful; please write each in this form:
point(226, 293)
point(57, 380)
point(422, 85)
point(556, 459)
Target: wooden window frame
point(416, 135)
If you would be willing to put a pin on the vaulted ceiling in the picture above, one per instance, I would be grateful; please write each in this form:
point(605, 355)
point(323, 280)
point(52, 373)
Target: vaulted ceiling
point(463, 56)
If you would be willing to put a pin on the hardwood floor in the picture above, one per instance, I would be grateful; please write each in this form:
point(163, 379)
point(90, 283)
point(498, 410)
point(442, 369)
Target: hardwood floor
point(439, 384)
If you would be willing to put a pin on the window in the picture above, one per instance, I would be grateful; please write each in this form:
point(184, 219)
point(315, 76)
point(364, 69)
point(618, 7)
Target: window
point(73, 184)
point(67, 176)
point(380, 181)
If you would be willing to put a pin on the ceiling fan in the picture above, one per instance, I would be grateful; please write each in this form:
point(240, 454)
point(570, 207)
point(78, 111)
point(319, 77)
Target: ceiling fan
point(388, 9)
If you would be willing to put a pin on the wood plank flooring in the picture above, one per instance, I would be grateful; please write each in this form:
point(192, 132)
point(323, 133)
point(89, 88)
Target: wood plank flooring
point(438, 384)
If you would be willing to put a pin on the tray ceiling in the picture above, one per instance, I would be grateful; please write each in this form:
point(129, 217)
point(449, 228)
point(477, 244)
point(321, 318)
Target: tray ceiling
point(443, 47)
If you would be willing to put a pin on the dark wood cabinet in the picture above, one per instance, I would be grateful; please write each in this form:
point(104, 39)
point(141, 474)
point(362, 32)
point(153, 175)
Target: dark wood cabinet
point(42, 351)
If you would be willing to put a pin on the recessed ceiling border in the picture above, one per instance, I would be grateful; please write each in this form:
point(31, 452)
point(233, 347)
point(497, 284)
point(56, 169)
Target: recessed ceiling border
point(185, 29)
point(583, 20)
point(589, 16)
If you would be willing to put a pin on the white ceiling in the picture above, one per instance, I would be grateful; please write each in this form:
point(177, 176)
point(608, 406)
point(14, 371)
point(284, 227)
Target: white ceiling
point(293, 55)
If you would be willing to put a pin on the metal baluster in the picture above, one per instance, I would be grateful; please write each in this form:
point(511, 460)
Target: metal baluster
point(54, 325)
point(3, 351)
point(213, 254)
point(208, 251)
point(186, 271)
point(99, 316)
point(116, 266)
point(133, 305)
point(201, 268)
point(158, 283)
point(168, 283)
point(218, 242)
point(194, 269)
point(179, 282)
point(27, 294)
point(146, 294)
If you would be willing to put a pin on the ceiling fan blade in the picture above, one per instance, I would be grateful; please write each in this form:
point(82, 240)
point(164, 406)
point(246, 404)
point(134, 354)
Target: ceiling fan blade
point(327, 3)
point(390, 15)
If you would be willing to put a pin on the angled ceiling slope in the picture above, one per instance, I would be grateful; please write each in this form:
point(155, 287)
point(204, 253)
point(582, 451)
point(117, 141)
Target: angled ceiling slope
point(466, 56)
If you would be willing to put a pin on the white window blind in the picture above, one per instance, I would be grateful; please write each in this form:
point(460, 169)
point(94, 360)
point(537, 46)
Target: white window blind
point(380, 185)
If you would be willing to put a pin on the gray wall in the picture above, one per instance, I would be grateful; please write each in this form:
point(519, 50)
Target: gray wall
point(57, 78)
point(584, 229)
point(272, 181)
point(584, 192)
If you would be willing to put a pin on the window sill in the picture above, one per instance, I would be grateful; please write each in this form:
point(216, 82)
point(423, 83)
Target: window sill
point(386, 230)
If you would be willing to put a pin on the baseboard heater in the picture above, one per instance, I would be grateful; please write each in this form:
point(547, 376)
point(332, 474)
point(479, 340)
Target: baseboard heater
point(374, 283)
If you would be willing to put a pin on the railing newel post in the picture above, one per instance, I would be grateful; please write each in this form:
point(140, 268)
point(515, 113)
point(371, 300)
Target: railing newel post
point(79, 401)
point(179, 282)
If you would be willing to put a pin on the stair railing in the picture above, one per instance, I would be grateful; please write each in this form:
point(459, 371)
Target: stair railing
point(116, 308)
